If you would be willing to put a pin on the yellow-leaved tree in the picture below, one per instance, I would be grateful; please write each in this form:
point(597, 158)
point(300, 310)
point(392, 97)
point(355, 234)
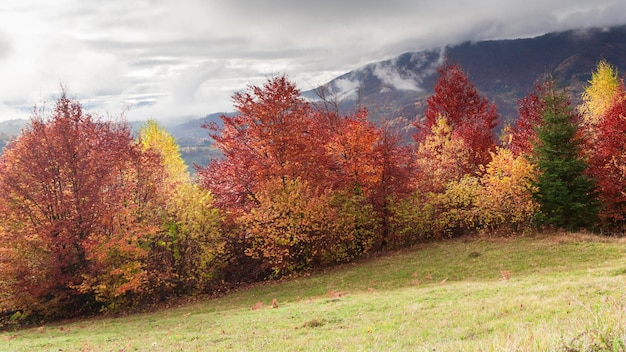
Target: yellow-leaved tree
point(442, 161)
point(442, 157)
point(505, 196)
point(185, 251)
point(295, 227)
point(153, 136)
point(599, 96)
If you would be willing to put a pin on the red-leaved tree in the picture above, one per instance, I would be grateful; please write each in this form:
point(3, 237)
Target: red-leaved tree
point(74, 203)
point(470, 115)
point(273, 135)
point(274, 142)
point(522, 135)
point(608, 160)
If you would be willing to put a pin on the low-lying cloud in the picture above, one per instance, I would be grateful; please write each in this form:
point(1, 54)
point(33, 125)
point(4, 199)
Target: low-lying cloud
point(394, 76)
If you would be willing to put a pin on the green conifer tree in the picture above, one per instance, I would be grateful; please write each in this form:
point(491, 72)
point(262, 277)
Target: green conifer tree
point(564, 191)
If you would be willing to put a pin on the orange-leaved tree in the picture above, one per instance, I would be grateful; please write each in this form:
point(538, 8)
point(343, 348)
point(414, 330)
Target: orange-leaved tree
point(352, 149)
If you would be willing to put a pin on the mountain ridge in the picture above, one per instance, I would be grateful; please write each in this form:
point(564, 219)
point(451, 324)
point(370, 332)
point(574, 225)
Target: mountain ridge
point(502, 70)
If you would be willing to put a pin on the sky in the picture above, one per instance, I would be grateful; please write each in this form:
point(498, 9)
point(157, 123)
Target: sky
point(183, 59)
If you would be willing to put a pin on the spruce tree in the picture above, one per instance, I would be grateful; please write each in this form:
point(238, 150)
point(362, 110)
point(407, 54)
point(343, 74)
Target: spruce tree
point(563, 189)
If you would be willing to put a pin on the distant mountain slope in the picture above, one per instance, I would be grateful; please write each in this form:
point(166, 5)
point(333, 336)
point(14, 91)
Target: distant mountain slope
point(12, 127)
point(503, 70)
point(193, 140)
point(9, 129)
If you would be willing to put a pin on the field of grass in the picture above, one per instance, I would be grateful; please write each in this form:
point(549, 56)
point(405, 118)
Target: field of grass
point(563, 292)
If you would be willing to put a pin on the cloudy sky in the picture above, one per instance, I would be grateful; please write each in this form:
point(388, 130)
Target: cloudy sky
point(179, 59)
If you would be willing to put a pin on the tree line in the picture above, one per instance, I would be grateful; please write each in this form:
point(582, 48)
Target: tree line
point(93, 218)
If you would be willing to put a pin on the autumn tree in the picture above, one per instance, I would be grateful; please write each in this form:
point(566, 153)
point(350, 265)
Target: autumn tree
point(471, 116)
point(397, 167)
point(603, 112)
point(156, 138)
point(599, 96)
point(72, 220)
point(352, 149)
point(564, 191)
point(505, 199)
point(607, 160)
point(454, 141)
point(442, 157)
point(273, 135)
point(369, 163)
point(522, 136)
point(274, 141)
point(355, 172)
point(184, 250)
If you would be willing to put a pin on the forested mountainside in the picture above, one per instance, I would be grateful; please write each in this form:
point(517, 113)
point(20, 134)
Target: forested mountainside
point(503, 70)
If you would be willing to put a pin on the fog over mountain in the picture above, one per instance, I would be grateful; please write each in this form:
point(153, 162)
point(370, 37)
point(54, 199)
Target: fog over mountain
point(503, 70)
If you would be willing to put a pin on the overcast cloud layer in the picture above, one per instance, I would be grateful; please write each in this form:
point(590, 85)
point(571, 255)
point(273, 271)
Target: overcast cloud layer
point(184, 58)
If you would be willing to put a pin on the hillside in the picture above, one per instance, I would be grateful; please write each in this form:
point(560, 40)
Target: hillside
point(560, 292)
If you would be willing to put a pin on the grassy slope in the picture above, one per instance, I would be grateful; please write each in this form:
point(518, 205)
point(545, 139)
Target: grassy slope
point(563, 291)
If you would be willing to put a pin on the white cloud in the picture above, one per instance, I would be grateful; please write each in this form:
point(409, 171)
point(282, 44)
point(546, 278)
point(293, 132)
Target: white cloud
point(346, 89)
point(393, 78)
point(393, 75)
point(183, 58)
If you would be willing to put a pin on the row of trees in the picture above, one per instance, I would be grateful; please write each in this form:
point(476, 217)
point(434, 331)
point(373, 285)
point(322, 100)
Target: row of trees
point(300, 186)
point(92, 217)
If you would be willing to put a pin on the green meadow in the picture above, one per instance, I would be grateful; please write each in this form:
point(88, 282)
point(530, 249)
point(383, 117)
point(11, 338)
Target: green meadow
point(551, 292)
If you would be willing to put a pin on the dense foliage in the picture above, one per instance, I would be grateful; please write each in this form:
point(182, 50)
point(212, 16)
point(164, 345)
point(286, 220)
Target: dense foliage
point(71, 198)
point(93, 218)
point(608, 161)
point(300, 186)
point(83, 225)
